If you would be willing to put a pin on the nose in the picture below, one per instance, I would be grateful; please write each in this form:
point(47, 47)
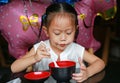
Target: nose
point(63, 37)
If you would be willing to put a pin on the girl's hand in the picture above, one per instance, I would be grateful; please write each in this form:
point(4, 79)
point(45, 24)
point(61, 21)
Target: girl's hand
point(83, 75)
point(42, 52)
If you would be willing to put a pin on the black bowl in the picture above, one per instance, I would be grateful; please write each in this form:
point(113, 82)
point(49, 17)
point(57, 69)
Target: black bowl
point(37, 77)
point(63, 73)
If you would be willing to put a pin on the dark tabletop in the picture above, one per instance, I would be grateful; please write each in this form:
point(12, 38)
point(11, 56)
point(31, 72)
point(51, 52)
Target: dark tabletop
point(94, 79)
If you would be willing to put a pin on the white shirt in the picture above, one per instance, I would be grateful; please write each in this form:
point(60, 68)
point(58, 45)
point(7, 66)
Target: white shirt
point(72, 52)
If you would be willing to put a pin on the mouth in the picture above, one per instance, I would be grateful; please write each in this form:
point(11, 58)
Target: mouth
point(62, 45)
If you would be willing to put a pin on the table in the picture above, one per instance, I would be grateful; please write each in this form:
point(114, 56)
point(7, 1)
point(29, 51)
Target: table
point(94, 79)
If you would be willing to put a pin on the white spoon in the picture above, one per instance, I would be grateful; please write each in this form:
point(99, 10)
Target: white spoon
point(56, 65)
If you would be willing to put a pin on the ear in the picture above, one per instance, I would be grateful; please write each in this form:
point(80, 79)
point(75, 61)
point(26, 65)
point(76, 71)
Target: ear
point(45, 30)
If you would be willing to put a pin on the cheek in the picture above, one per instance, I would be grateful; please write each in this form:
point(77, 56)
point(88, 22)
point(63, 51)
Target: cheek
point(52, 37)
point(70, 38)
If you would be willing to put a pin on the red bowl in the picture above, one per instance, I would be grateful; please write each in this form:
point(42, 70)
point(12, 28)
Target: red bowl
point(63, 64)
point(37, 76)
point(63, 73)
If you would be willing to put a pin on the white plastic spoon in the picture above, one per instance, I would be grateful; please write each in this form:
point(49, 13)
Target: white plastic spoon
point(56, 65)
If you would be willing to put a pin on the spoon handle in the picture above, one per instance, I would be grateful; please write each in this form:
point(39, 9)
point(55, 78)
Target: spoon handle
point(56, 65)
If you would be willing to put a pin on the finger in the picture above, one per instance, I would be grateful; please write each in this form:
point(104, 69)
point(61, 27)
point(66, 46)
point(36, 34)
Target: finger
point(43, 49)
point(81, 62)
point(41, 46)
point(77, 74)
point(46, 54)
point(77, 77)
point(43, 53)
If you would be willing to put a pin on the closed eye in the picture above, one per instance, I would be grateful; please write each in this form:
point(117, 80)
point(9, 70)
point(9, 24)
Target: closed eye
point(57, 33)
point(69, 33)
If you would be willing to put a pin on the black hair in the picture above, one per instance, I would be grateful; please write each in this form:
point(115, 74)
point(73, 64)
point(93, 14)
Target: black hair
point(59, 8)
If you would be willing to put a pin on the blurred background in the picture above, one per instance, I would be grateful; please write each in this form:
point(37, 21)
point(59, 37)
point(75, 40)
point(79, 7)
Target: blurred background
point(111, 30)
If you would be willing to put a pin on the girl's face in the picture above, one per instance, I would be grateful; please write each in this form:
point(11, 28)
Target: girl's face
point(61, 32)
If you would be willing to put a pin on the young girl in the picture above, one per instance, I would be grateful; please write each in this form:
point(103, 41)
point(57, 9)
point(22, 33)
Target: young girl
point(60, 25)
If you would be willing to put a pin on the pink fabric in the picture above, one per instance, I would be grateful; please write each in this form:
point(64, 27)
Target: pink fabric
point(11, 28)
point(85, 36)
point(20, 40)
point(90, 8)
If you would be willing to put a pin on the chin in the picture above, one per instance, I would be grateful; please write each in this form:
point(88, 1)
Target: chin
point(62, 48)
